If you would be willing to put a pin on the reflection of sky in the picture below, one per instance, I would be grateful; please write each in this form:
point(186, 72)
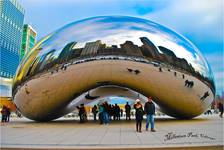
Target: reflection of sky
point(116, 30)
point(114, 100)
point(119, 100)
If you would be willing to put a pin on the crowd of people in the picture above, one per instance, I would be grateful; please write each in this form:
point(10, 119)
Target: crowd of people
point(5, 114)
point(107, 112)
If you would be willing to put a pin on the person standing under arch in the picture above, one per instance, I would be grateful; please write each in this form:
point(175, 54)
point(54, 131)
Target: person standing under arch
point(82, 113)
point(138, 115)
point(128, 111)
point(149, 109)
point(94, 111)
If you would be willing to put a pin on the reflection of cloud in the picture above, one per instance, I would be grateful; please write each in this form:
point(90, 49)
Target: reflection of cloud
point(115, 30)
point(182, 49)
point(200, 65)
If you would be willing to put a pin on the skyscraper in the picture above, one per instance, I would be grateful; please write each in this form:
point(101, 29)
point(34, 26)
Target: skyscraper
point(66, 52)
point(150, 47)
point(11, 25)
point(131, 49)
point(91, 48)
point(28, 39)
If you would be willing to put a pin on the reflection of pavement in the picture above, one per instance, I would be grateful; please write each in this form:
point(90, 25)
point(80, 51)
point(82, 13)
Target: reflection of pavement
point(67, 133)
point(41, 96)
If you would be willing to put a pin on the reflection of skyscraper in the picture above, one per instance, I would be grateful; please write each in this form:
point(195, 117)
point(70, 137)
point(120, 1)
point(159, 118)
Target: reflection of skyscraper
point(167, 52)
point(174, 60)
point(75, 53)
point(131, 49)
point(149, 48)
point(46, 59)
point(184, 64)
point(91, 48)
point(169, 55)
point(28, 40)
point(11, 24)
point(113, 50)
point(65, 53)
point(22, 72)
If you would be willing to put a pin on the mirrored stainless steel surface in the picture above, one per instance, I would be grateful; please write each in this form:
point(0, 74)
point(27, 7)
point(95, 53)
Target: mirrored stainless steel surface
point(113, 50)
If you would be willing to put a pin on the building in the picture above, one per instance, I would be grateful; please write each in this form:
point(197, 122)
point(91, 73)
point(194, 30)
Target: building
point(131, 49)
point(28, 39)
point(91, 48)
point(111, 51)
point(66, 52)
point(11, 22)
point(149, 49)
point(172, 59)
point(170, 56)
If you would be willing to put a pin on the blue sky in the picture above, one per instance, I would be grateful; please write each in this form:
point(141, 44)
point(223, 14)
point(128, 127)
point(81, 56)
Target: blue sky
point(201, 21)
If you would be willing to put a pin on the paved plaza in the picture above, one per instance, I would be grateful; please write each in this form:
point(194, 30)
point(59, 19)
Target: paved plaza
point(204, 132)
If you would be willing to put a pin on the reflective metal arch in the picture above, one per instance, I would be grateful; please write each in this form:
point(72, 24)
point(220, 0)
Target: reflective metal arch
point(113, 50)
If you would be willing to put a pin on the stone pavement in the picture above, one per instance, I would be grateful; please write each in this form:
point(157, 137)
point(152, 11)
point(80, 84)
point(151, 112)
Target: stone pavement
point(67, 133)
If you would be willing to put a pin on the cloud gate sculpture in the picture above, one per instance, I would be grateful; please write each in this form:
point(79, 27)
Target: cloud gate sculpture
point(128, 53)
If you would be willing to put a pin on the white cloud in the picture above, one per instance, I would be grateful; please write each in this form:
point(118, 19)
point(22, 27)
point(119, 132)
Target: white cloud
point(219, 81)
point(216, 61)
point(201, 18)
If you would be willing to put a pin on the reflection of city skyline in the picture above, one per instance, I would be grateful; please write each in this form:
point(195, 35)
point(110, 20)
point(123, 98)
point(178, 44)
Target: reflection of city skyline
point(148, 51)
point(91, 49)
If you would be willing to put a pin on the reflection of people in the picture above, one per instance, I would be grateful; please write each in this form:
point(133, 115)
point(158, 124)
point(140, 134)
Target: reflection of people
point(220, 107)
point(128, 111)
point(138, 115)
point(186, 82)
point(206, 94)
point(94, 111)
point(8, 113)
point(82, 113)
point(149, 109)
point(183, 76)
point(189, 83)
point(175, 73)
point(101, 110)
point(160, 69)
point(208, 112)
point(18, 113)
